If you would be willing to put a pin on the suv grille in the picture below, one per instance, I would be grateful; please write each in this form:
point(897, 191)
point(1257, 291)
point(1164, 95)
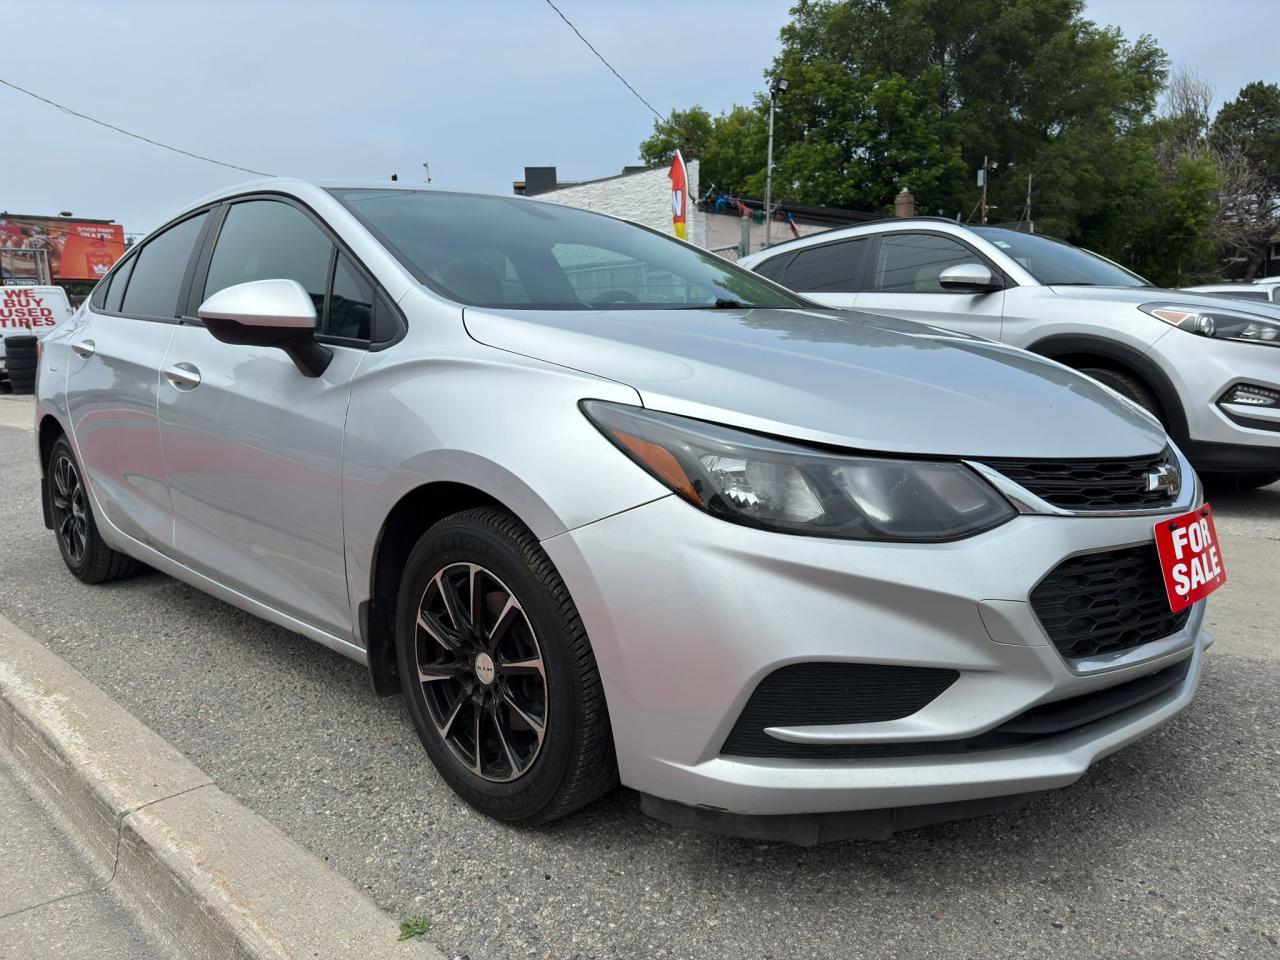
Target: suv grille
point(1103, 602)
point(1116, 484)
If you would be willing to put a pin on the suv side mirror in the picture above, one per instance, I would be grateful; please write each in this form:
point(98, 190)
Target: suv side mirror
point(268, 313)
point(968, 278)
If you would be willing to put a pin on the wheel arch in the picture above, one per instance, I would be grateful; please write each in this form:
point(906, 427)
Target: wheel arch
point(47, 435)
point(1080, 352)
point(412, 515)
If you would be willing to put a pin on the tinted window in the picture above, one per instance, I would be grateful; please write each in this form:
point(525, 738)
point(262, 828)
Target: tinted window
point(350, 304)
point(158, 270)
point(269, 240)
point(912, 262)
point(497, 251)
point(99, 297)
point(119, 282)
point(1055, 262)
point(832, 267)
point(774, 267)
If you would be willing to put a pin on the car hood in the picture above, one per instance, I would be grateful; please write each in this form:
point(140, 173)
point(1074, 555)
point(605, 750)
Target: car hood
point(843, 378)
point(1141, 295)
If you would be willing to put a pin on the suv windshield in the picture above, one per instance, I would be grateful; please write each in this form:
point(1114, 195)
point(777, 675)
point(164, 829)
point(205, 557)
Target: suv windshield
point(1055, 262)
point(505, 251)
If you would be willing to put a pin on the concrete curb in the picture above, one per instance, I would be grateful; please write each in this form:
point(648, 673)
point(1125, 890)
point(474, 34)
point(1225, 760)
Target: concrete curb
point(214, 878)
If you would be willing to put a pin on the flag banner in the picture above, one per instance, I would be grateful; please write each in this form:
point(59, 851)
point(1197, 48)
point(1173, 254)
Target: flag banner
point(679, 196)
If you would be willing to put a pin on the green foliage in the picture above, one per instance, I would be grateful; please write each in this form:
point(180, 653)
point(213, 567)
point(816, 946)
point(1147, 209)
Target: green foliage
point(414, 927)
point(886, 94)
point(1252, 121)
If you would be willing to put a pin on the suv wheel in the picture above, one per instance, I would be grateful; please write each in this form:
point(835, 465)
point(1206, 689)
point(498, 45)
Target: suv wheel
point(1128, 386)
point(497, 671)
point(84, 551)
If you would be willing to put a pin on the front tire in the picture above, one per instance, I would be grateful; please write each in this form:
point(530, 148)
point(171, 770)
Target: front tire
point(83, 550)
point(497, 672)
point(1128, 386)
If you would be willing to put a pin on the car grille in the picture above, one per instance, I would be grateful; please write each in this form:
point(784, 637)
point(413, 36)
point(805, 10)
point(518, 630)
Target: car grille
point(1114, 484)
point(1103, 602)
point(825, 693)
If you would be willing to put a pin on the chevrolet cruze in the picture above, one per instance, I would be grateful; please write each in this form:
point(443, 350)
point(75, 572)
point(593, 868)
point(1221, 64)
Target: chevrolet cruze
point(603, 507)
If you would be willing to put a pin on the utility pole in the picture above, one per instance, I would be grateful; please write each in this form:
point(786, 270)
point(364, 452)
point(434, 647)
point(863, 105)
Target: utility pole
point(1026, 212)
point(983, 176)
point(776, 89)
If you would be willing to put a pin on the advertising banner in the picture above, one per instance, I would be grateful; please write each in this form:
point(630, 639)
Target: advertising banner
point(75, 249)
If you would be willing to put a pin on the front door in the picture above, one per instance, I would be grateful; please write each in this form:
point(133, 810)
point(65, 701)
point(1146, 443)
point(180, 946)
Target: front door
point(253, 447)
point(903, 282)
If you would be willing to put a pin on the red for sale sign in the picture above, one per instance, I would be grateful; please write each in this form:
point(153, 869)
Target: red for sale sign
point(1189, 557)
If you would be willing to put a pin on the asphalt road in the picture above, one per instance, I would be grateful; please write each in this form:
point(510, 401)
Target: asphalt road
point(1169, 849)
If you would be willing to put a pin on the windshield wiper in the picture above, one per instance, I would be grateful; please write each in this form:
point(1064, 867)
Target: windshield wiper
point(724, 303)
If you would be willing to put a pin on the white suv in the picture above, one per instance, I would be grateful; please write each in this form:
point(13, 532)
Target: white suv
point(1191, 359)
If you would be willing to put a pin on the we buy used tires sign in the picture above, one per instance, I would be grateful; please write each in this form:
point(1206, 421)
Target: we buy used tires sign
point(25, 311)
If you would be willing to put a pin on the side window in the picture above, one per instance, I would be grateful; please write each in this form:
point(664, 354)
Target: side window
point(830, 268)
point(911, 262)
point(159, 269)
point(120, 280)
point(99, 297)
point(350, 303)
point(270, 240)
point(774, 267)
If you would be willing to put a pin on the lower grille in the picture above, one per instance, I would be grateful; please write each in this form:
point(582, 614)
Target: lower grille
point(1037, 725)
point(1105, 602)
point(1112, 484)
point(804, 694)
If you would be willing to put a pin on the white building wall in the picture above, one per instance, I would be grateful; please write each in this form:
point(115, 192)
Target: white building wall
point(644, 197)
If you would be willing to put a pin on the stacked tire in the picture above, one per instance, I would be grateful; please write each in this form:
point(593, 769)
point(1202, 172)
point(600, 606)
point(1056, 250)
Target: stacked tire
point(20, 363)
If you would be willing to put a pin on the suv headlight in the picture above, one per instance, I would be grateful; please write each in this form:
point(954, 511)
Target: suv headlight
point(1216, 322)
point(790, 488)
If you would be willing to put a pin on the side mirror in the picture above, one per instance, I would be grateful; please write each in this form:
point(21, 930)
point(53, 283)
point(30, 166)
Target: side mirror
point(268, 313)
point(968, 278)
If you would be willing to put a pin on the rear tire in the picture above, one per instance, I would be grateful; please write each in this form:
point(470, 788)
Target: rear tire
point(1127, 386)
point(84, 551)
point(497, 671)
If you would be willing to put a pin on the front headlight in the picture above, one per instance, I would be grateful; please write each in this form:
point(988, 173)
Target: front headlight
point(1216, 322)
point(791, 488)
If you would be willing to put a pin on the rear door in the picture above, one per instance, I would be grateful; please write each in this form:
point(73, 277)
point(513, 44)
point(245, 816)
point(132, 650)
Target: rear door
point(253, 447)
point(113, 379)
point(903, 282)
point(830, 273)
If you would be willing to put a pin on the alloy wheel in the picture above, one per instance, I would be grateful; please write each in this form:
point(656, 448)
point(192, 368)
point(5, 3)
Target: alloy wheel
point(481, 671)
point(70, 518)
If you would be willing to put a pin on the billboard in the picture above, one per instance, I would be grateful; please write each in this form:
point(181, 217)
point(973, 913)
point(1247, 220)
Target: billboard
point(73, 249)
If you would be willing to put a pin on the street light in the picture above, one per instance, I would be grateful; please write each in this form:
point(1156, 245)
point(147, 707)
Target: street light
point(776, 89)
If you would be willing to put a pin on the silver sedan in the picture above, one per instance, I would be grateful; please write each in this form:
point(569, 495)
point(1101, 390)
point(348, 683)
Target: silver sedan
point(604, 507)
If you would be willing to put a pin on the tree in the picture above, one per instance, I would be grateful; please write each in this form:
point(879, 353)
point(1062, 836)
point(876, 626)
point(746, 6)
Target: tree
point(1247, 134)
point(686, 130)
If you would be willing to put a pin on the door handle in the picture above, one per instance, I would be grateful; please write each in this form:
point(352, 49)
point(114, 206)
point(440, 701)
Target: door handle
point(184, 376)
point(85, 348)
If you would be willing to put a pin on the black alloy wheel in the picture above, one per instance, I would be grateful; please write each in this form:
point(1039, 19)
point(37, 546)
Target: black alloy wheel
point(497, 672)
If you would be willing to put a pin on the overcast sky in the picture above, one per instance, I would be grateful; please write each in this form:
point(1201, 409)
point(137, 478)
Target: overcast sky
point(479, 89)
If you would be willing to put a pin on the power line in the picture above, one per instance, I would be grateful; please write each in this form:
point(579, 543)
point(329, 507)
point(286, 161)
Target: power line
point(136, 136)
point(606, 62)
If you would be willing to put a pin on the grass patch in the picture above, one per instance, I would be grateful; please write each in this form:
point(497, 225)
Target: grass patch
point(413, 927)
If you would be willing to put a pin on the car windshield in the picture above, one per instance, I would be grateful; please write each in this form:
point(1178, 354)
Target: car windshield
point(1053, 262)
point(506, 251)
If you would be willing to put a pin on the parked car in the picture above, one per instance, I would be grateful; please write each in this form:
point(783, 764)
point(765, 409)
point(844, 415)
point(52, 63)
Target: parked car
point(1194, 361)
point(603, 506)
point(1258, 290)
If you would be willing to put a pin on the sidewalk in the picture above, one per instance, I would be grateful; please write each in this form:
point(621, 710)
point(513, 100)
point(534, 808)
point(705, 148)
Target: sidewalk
point(53, 903)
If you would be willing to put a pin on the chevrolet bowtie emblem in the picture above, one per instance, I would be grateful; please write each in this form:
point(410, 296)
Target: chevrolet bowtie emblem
point(1165, 478)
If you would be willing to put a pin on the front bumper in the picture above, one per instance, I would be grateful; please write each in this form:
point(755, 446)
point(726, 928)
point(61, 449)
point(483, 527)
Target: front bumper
point(687, 613)
point(1222, 437)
